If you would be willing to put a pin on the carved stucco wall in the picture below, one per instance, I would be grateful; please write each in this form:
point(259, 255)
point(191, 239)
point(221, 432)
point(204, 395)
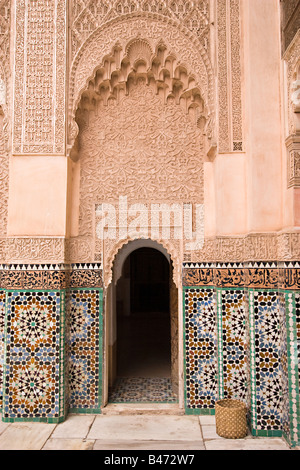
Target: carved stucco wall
point(5, 111)
point(230, 124)
point(88, 15)
point(189, 30)
point(39, 77)
point(290, 21)
point(152, 139)
point(292, 61)
point(177, 39)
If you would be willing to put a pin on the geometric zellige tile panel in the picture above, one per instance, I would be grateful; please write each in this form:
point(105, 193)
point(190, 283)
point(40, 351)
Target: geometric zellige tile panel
point(200, 349)
point(33, 355)
point(234, 345)
point(85, 345)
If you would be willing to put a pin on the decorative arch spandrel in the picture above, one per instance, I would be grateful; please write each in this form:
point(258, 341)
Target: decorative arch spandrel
point(141, 105)
point(171, 247)
point(100, 44)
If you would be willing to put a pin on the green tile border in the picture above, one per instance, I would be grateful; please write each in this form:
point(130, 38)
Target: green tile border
point(266, 433)
point(293, 367)
point(220, 344)
point(253, 421)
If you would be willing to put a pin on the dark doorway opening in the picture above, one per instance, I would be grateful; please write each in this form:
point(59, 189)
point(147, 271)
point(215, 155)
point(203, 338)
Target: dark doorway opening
point(144, 329)
point(149, 282)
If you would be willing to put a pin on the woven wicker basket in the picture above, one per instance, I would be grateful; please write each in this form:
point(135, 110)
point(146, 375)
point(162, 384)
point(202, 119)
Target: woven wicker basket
point(231, 419)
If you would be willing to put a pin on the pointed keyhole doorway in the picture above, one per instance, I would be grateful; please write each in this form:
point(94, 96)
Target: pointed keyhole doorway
point(144, 357)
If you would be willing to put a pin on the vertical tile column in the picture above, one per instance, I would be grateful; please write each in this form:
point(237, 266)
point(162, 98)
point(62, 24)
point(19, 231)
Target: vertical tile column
point(34, 345)
point(290, 308)
point(2, 319)
point(85, 317)
point(200, 348)
point(232, 373)
point(232, 344)
point(265, 348)
point(266, 394)
point(292, 301)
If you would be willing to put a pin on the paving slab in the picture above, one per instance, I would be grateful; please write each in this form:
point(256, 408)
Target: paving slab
point(68, 444)
point(25, 436)
point(270, 443)
point(208, 420)
point(3, 426)
point(74, 427)
point(148, 445)
point(209, 432)
point(145, 428)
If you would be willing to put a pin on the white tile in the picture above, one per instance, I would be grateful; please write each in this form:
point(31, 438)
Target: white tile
point(160, 428)
point(75, 427)
point(246, 444)
point(68, 444)
point(25, 436)
point(209, 432)
point(209, 420)
point(3, 426)
point(148, 445)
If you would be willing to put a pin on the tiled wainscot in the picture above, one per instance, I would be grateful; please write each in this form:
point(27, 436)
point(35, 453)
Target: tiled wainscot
point(242, 341)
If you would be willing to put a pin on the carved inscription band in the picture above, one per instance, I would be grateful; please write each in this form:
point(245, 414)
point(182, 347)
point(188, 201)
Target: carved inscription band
point(265, 276)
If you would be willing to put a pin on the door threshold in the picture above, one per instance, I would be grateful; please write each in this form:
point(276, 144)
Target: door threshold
point(142, 408)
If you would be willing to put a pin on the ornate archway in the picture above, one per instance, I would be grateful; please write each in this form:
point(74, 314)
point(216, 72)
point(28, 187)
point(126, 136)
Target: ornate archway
point(160, 365)
point(140, 127)
point(155, 118)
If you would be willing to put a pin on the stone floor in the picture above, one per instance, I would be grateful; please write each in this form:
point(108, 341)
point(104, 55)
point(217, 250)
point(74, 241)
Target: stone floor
point(128, 432)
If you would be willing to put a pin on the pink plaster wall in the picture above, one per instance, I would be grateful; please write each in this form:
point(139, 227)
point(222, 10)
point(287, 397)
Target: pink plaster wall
point(231, 194)
point(262, 113)
point(37, 196)
point(209, 200)
point(297, 207)
point(244, 192)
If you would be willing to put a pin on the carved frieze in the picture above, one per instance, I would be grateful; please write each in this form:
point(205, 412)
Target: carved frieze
point(289, 246)
point(294, 168)
point(88, 15)
point(30, 276)
point(197, 276)
point(33, 250)
point(86, 275)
